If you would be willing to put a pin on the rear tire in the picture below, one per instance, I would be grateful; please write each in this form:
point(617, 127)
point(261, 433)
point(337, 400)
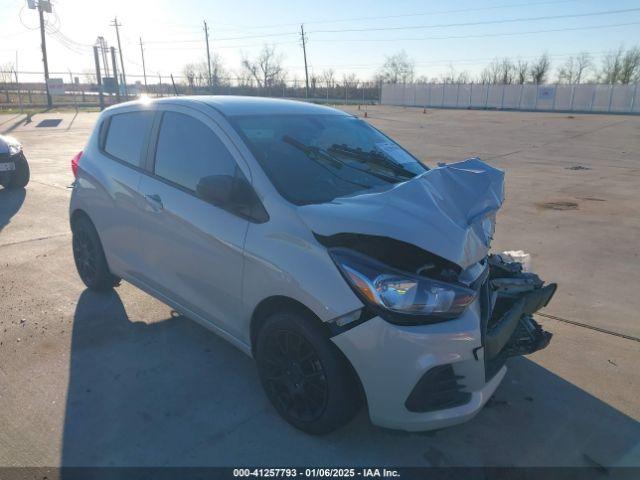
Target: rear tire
point(305, 376)
point(20, 176)
point(89, 256)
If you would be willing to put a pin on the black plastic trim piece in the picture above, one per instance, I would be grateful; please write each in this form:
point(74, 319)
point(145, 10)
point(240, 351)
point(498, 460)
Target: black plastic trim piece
point(437, 389)
point(335, 329)
point(500, 333)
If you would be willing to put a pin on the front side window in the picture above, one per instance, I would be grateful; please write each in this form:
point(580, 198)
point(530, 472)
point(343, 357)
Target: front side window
point(127, 136)
point(188, 151)
point(316, 158)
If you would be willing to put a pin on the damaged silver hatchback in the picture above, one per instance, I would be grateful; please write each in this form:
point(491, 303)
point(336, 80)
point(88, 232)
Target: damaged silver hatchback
point(350, 271)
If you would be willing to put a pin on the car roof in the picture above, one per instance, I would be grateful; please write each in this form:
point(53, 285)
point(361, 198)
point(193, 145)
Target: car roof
point(230, 105)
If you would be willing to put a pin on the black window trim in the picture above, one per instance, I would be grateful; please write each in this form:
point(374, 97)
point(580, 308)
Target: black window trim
point(104, 132)
point(150, 161)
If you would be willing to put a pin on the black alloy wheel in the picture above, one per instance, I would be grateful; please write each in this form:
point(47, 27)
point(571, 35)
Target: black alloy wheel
point(85, 255)
point(89, 256)
point(295, 376)
point(306, 377)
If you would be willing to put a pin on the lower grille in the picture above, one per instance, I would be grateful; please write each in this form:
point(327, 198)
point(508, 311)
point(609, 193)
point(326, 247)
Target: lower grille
point(436, 390)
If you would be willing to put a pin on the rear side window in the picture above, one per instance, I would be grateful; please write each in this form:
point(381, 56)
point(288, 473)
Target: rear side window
point(188, 150)
point(127, 136)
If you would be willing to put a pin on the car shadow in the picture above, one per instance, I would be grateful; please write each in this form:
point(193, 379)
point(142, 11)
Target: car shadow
point(10, 203)
point(170, 393)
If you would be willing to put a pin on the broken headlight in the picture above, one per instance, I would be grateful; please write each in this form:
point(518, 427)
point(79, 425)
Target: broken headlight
point(399, 296)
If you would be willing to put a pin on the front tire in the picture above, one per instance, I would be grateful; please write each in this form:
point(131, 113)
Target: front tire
point(305, 376)
point(89, 256)
point(21, 174)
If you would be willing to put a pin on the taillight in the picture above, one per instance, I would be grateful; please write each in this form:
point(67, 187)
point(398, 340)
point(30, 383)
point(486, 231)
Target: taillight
point(75, 161)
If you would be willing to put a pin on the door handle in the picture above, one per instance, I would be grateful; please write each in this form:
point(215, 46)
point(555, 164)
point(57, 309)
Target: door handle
point(154, 201)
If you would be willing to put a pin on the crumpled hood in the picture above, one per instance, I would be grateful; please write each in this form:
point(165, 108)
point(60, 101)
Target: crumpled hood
point(448, 211)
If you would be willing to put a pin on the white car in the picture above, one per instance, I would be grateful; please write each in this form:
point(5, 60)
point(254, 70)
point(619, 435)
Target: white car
point(14, 169)
point(315, 244)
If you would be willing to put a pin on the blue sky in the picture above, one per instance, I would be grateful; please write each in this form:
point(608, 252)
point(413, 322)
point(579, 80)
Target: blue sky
point(435, 33)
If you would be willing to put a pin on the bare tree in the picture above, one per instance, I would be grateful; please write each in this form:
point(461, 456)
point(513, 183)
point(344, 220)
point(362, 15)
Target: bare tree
point(423, 79)
point(218, 70)
point(189, 71)
point(611, 66)
point(574, 68)
point(244, 78)
point(329, 78)
point(540, 69)
point(630, 70)
point(314, 80)
point(521, 71)
point(491, 73)
point(398, 68)
point(350, 80)
point(452, 76)
point(197, 74)
point(507, 71)
point(6, 73)
point(266, 69)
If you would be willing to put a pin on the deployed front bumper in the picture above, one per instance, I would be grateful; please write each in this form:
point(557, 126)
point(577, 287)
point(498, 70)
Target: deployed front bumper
point(432, 376)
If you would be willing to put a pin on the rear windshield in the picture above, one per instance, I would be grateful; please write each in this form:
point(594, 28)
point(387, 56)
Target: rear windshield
point(316, 158)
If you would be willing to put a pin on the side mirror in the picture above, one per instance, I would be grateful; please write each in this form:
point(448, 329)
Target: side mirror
point(232, 193)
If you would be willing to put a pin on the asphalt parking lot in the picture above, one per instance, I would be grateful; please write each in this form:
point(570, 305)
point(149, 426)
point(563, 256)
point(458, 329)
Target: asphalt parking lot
point(116, 379)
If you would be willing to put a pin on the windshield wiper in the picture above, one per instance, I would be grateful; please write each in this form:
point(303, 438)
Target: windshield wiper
point(320, 155)
point(315, 154)
point(373, 157)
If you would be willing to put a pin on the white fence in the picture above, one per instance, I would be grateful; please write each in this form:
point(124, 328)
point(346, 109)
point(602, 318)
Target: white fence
point(562, 98)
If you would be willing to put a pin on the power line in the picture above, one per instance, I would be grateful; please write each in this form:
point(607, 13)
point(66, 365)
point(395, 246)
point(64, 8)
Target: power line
point(405, 15)
point(226, 47)
point(419, 27)
point(269, 35)
point(447, 37)
point(484, 22)
point(506, 34)
point(241, 28)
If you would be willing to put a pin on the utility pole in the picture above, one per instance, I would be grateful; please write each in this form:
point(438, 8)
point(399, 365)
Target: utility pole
point(144, 68)
point(96, 59)
point(44, 50)
point(206, 36)
point(102, 43)
point(124, 76)
point(115, 74)
point(304, 51)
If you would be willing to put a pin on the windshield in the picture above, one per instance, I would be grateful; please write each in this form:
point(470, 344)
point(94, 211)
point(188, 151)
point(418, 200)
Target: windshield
point(316, 158)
